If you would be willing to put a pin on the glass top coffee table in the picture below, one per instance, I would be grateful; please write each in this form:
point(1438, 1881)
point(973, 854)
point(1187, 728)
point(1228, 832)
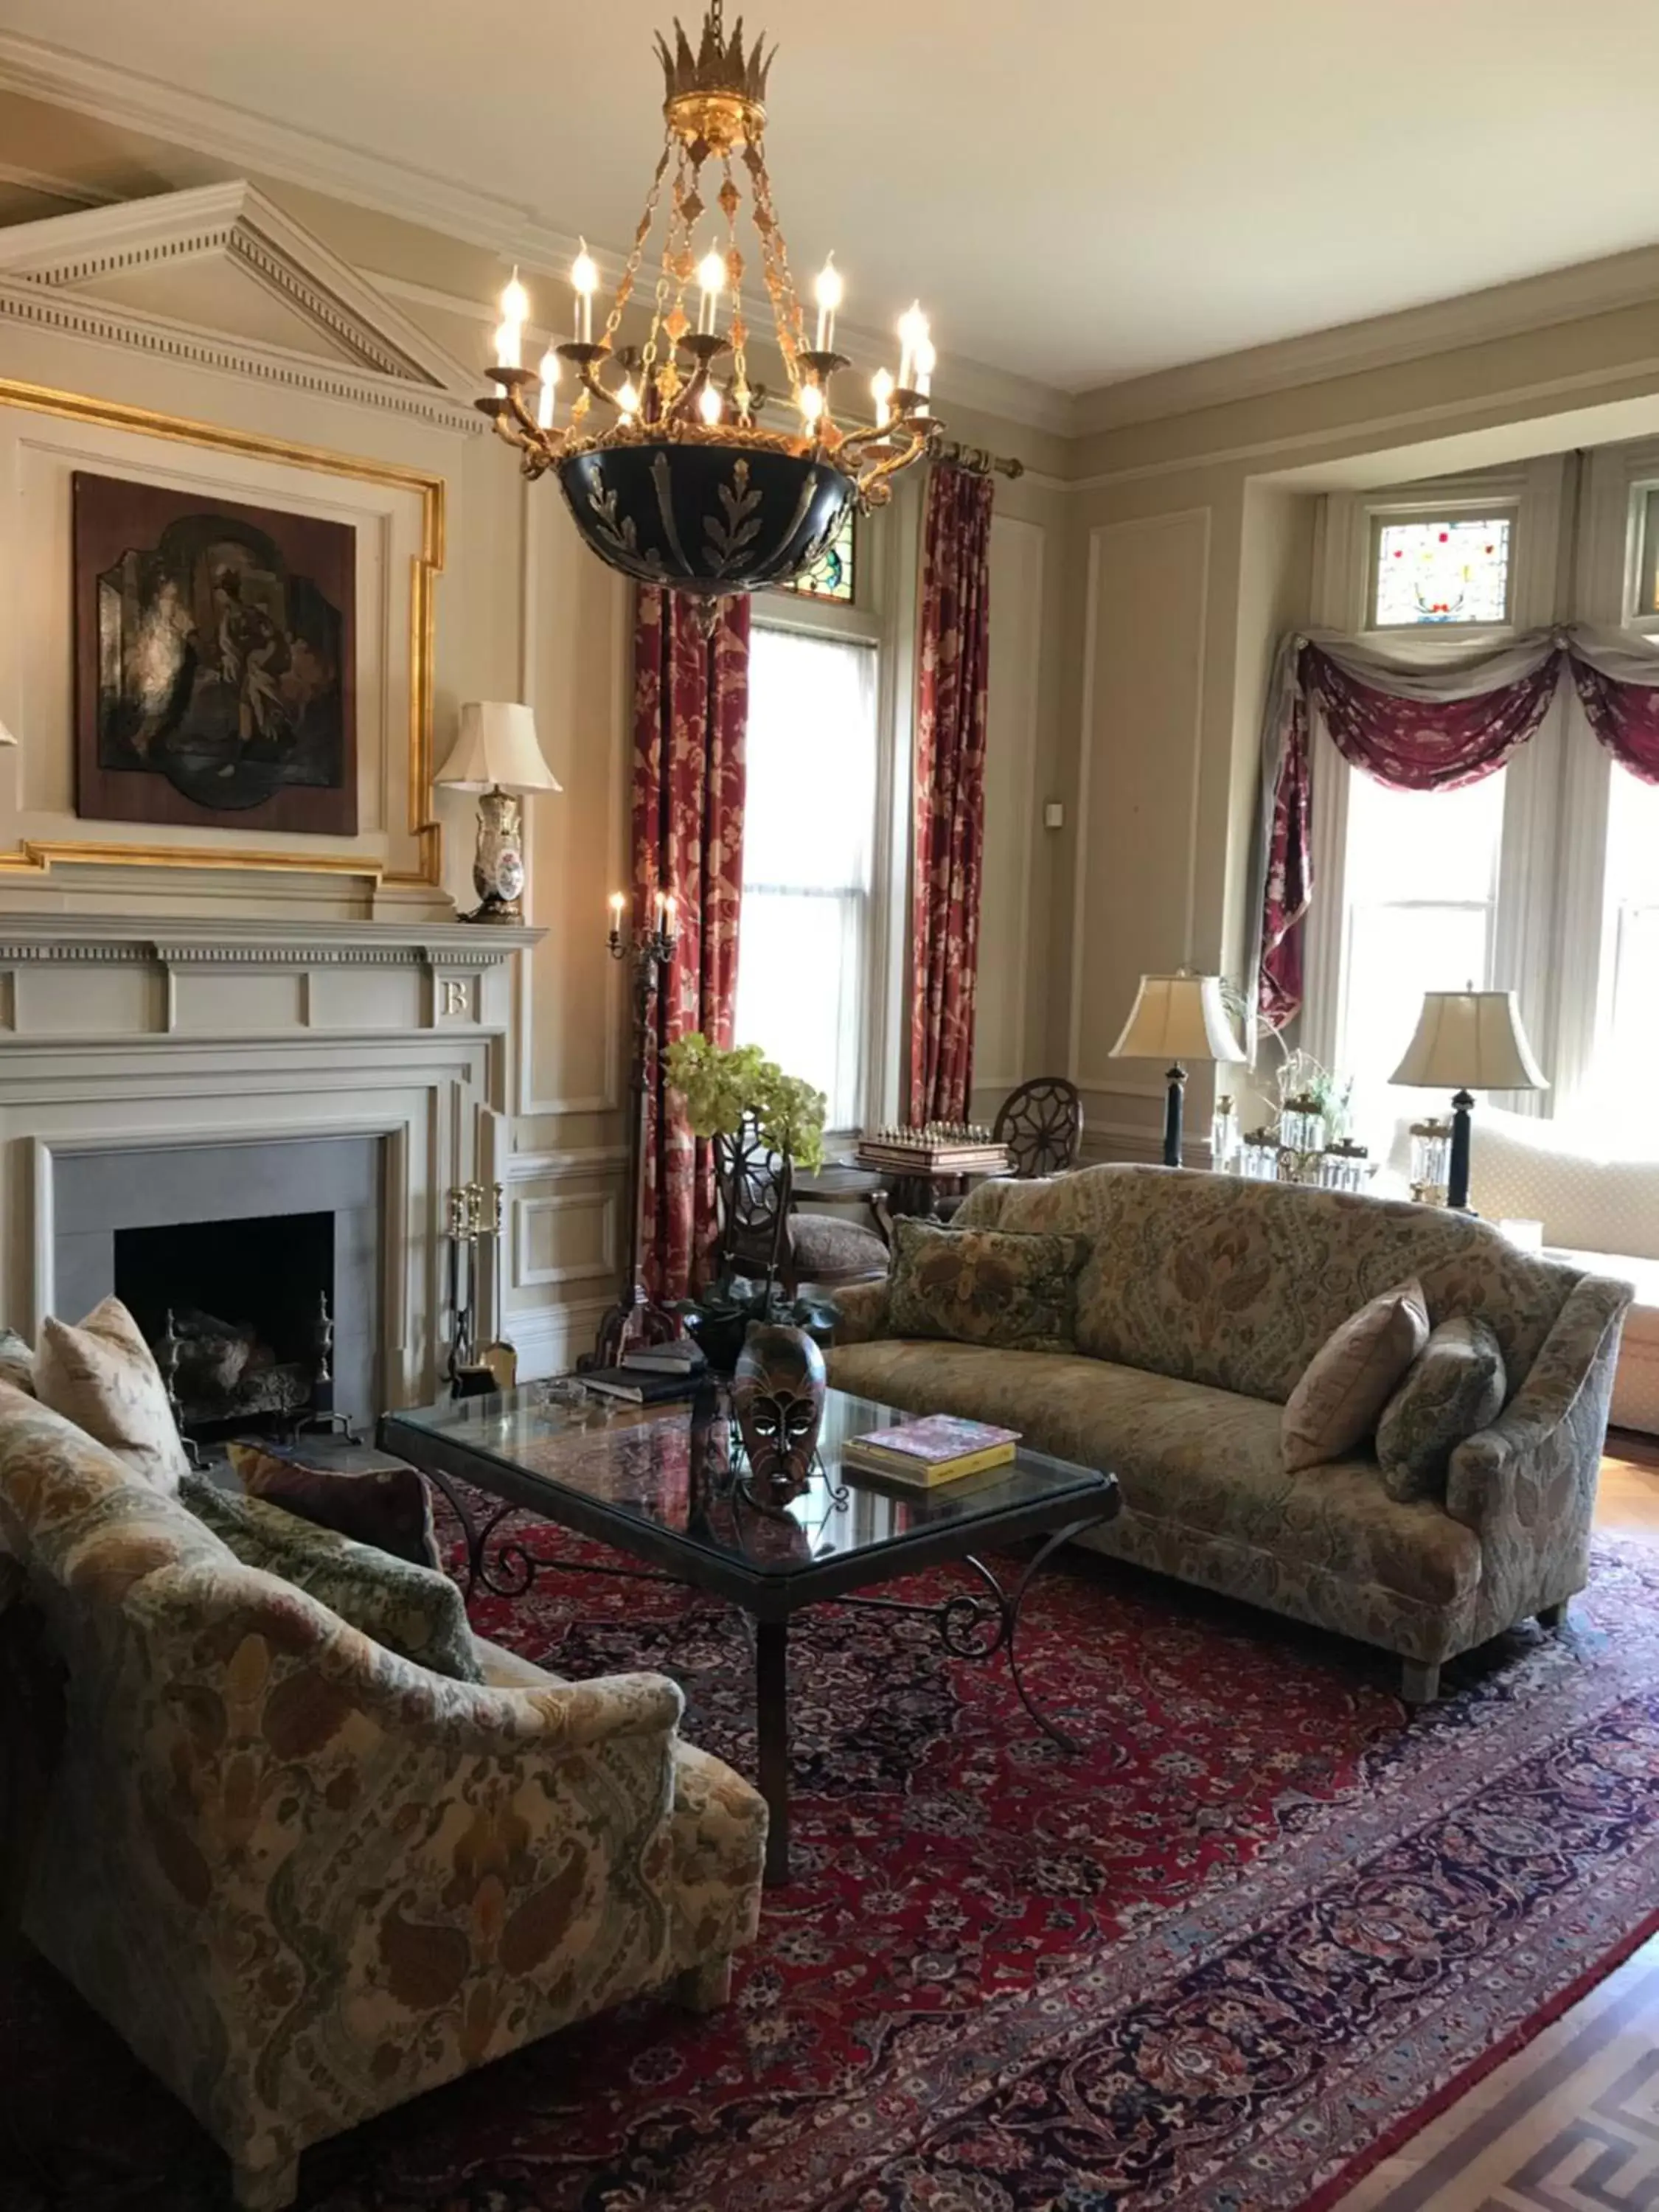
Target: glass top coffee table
point(665, 1486)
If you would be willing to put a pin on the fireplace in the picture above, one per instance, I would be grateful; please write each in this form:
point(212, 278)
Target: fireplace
point(239, 1314)
point(254, 1270)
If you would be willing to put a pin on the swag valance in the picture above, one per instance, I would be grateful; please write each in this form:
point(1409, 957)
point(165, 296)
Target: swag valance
point(1418, 728)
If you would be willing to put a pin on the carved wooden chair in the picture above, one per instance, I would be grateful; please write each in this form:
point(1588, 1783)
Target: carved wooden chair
point(761, 1235)
point(1041, 1125)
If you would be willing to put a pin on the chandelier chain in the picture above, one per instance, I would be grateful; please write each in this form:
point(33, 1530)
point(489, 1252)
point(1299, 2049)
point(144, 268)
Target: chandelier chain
point(631, 266)
point(775, 255)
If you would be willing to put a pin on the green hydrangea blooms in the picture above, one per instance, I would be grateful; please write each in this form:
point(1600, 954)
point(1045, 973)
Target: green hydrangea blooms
point(720, 1087)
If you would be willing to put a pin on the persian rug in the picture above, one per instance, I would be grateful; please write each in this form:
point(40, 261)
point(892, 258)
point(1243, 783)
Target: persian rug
point(1264, 1924)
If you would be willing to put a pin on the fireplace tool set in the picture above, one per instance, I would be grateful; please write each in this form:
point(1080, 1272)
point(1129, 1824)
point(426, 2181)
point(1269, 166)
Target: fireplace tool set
point(474, 1370)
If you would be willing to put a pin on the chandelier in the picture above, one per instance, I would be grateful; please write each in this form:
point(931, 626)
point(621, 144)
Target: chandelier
point(665, 466)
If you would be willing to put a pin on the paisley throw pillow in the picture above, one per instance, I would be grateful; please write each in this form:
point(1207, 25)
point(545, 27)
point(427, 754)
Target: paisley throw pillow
point(102, 1375)
point(989, 1286)
point(1352, 1376)
point(1457, 1387)
point(413, 1611)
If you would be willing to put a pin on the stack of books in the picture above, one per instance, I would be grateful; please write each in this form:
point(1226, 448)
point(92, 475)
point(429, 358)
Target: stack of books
point(653, 1374)
point(920, 1454)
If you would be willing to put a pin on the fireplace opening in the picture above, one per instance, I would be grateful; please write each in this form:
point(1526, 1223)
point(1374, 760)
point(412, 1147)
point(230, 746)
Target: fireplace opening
point(238, 1313)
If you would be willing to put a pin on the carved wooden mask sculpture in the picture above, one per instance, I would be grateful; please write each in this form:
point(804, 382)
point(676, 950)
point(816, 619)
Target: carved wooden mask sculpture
point(777, 1394)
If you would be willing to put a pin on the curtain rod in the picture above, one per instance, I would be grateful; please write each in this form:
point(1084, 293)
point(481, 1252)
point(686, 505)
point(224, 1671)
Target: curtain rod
point(975, 459)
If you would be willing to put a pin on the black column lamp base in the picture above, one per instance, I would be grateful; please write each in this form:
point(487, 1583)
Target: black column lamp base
point(1457, 1171)
point(1174, 1106)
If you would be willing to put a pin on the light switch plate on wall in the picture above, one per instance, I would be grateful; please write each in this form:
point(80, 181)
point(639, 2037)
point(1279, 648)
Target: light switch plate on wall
point(1054, 814)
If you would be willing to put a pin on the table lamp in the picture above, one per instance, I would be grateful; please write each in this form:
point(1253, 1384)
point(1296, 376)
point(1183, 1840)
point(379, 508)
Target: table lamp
point(1467, 1041)
point(496, 755)
point(1177, 1018)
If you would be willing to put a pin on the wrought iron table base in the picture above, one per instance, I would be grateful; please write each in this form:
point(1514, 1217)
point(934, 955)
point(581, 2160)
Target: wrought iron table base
point(963, 1621)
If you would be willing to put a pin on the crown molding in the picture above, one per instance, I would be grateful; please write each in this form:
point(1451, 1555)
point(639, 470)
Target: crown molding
point(73, 192)
point(502, 226)
point(1499, 311)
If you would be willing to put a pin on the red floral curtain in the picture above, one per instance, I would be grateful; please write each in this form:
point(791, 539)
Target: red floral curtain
point(690, 717)
point(1424, 729)
point(950, 792)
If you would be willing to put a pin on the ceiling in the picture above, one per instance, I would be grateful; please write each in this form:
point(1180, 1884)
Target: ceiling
point(1081, 190)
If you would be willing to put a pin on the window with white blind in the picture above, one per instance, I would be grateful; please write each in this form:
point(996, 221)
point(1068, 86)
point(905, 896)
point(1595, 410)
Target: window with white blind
point(1421, 914)
point(804, 951)
point(1625, 1067)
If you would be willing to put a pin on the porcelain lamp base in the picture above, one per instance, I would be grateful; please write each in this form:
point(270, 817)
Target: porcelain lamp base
point(498, 860)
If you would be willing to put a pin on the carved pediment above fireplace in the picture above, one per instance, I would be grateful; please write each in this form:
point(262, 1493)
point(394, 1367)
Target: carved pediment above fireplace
point(222, 277)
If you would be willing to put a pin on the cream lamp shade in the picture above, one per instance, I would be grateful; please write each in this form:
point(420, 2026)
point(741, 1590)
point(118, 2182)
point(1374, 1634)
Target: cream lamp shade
point(496, 750)
point(1469, 1041)
point(1177, 1018)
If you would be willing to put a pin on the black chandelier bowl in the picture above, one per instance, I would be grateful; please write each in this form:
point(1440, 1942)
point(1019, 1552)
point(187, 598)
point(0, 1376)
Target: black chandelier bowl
point(711, 520)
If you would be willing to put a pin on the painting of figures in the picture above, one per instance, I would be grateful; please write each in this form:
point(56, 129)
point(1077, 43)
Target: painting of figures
point(215, 661)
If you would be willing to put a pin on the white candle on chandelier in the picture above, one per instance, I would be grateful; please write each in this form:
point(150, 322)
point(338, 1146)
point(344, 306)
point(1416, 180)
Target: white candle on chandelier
point(670, 912)
point(709, 404)
point(628, 399)
point(711, 282)
point(828, 292)
point(926, 362)
point(515, 301)
point(508, 336)
point(547, 397)
point(881, 391)
point(585, 277)
point(615, 903)
point(809, 400)
point(913, 333)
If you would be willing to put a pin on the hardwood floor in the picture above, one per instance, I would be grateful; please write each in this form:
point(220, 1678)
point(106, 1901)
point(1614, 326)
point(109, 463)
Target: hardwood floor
point(1570, 2123)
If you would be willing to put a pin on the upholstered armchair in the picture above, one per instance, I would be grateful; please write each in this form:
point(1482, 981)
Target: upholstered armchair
point(306, 1880)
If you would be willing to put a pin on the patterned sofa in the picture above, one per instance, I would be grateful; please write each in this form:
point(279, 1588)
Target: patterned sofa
point(1203, 1300)
point(306, 1878)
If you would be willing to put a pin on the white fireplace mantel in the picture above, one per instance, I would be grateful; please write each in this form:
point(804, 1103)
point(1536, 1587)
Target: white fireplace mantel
point(137, 1033)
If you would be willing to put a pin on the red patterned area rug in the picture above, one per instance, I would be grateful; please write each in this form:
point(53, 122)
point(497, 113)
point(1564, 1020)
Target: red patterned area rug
point(1260, 1927)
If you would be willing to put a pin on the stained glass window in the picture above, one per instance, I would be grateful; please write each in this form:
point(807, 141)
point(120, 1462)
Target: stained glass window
point(1456, 570)
point(831, 576)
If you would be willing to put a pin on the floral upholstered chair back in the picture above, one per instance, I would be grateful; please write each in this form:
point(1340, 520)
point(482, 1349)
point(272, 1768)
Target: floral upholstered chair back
point(1214, 1280)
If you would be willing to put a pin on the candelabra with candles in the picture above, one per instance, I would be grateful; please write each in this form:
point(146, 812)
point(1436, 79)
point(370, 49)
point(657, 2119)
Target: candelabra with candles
point(636, 1318)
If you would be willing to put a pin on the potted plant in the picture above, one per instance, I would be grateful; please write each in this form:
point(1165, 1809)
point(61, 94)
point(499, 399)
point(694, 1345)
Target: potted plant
point(721, 1089)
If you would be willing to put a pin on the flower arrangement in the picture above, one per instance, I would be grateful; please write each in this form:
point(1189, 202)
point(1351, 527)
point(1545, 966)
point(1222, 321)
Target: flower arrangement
point(720, 1086)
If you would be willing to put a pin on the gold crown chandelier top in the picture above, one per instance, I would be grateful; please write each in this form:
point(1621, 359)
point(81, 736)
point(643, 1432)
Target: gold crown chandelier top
point(716, 98)
point(669, 471)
